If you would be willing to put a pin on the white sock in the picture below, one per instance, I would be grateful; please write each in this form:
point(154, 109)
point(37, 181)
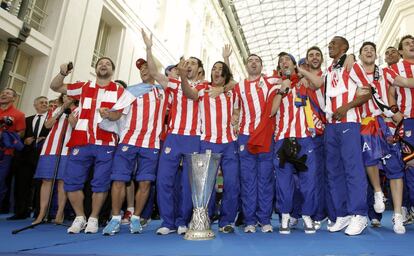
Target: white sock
point(133, 217)
point(116, 217)
point(131, 209)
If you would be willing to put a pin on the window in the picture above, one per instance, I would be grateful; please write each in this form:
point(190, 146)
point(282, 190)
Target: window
point(19, 74)
point(101, 43)
point(3, 52)
point(36, 13)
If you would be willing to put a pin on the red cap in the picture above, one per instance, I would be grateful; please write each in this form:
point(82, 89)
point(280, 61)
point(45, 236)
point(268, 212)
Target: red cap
point(140, 62)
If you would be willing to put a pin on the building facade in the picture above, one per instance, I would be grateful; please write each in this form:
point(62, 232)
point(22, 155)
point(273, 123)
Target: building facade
point(84, 30)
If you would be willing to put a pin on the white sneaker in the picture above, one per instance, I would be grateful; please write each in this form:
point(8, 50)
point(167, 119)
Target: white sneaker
point(250, 229)
point(375, 223)
point(398, 224)
point(78, 224)
point(181, 230)
point(329, 225)
point(341, 223)
point(284, 224)
point(308, 225)
point(267, 228)
point(92, 226)
point(379, 205)
point(318, 224)
point(357, 224)
point(293, 222)
point(165, 231)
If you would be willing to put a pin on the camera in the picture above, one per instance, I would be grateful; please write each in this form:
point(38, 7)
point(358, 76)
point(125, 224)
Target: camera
point(6, 122)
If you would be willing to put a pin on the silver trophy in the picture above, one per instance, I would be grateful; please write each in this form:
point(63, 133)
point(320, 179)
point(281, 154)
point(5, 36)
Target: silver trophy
point(203, 172)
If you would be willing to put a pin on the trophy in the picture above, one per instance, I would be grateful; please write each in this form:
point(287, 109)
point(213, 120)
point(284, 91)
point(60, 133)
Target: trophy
point(203, 172)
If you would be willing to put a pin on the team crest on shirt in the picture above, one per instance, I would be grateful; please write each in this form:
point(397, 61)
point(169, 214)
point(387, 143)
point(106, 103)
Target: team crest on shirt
point(241, 148)
point(124, 148)
point(75, 151)
point(261, 84)
point(167, 150)
point(335, 79)
point(407, 134)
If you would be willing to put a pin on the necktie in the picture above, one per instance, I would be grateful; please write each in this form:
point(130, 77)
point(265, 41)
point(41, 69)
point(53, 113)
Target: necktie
point(36, 127)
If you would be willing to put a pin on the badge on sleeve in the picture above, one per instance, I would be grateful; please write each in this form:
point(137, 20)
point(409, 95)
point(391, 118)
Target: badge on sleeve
point(75, 151)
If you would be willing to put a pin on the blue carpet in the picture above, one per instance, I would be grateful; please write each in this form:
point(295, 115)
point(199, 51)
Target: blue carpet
point(49, 239)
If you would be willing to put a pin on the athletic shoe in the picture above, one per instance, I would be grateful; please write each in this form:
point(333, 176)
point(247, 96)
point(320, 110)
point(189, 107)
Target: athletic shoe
point(92, 226)
point(181, 230)
point(357, 224)
point(126, 218)
point(267, 228)
point(341, 223)
point(165, 231)
point(375, 223)
point(284, 224)
point(112, 228)
point(135, 226)
point(308, 225)
point(250, 229)
point(293, 222)
point(144, 222)
point(78, 224)
point(398, 227)
point(227, 229)
point(379, 205)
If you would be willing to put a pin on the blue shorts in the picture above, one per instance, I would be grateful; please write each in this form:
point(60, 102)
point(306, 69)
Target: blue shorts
point(81, 159)
point(392, 163)
point(46, 167)
point(371, 149)
point(128, 158)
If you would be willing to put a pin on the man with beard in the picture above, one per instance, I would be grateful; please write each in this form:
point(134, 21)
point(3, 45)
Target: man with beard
point(183, 137)
point(89, 144)
point(294, 147)
point(345, 92)
point(401, 100)
point(374, 147)
point(256, 170)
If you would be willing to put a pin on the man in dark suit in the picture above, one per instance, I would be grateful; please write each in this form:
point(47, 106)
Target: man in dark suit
point(26, 160)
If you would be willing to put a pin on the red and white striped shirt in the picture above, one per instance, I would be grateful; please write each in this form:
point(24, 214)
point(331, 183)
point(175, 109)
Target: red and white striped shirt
point(144, 121)
point(405, 95)
point(52, 144)
point(338, 79)
point(91, 98)
point(290, 119)
point(184, 118)
point(215, 114)
point(252, 97)
point(385, 79)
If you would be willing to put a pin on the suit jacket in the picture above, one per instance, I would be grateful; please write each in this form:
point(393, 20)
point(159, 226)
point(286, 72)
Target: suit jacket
point(31, 152)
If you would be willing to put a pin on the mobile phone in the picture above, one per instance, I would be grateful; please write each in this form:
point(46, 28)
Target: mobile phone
point(70, 66)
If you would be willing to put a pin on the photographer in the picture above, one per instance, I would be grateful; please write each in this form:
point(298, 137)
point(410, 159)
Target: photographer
point(13, 121)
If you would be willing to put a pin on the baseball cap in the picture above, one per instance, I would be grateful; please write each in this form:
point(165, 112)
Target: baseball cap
point(302, 61)
point(167, 69)
point(140, 62)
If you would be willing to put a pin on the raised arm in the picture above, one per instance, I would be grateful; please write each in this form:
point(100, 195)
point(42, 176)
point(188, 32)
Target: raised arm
point(189, 92)
point(152, 68)
point(57, 84)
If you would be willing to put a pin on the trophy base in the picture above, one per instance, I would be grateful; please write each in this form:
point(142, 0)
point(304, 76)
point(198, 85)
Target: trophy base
point(198, 235)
